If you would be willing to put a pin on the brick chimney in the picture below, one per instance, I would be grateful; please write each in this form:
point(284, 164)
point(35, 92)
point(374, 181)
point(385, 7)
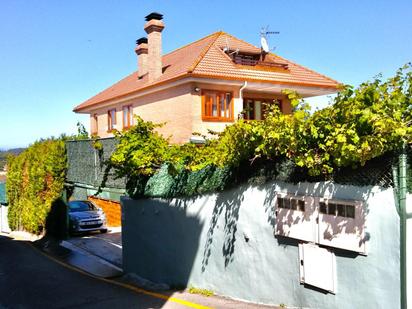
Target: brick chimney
point(141, 51)
point(153, 28)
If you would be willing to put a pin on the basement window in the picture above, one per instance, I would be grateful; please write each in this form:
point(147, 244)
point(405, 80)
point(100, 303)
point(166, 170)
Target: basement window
point(341, 224)
point(291, 203)
point(329, 222)
point(337, 209)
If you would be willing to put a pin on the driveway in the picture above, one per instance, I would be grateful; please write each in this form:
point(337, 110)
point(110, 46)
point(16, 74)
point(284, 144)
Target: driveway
point(106, 246)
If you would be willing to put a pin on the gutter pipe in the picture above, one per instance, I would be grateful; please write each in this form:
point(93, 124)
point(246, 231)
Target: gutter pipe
point(403, 217)
point(241, 97)
point(241, 90)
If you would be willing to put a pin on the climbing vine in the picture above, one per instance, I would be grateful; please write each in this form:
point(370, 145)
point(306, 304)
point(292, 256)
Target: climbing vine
point(359, 125)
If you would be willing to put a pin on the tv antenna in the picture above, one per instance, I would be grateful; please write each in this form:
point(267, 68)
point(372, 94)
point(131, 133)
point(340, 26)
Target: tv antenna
point(227, 50)
point(264, 32)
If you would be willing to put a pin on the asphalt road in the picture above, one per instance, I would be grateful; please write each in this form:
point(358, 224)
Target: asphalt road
point(28, 279)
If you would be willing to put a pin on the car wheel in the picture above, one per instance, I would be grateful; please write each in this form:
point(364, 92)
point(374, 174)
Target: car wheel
point(103, 231)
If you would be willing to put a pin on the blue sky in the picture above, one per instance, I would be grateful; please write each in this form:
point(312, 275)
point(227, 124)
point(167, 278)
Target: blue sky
point(56, 54)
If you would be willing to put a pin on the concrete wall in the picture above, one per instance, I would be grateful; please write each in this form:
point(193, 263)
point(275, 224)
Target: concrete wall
point(225, 242)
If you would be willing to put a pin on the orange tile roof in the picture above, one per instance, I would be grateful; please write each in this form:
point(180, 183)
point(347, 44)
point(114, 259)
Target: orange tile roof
point(206, 58)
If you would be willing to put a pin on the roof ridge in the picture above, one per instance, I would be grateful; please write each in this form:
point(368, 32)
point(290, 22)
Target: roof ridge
point(188, 44)
point(204, 52)
point(232, 36)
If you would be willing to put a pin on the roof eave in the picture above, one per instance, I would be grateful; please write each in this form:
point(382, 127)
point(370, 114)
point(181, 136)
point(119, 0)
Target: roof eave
point(88, 108)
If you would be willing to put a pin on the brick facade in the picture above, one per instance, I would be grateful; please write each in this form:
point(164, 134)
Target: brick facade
point(180, 109)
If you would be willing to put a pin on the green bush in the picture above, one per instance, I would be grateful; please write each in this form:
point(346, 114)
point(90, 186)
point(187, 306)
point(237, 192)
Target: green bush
point(35, 181)
point(360, 125)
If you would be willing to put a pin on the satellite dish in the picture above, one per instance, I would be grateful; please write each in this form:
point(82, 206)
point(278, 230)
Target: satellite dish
point(264, 44)
point(263, 38)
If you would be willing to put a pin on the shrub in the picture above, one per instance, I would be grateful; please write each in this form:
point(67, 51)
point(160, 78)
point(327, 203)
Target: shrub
point(35, 180)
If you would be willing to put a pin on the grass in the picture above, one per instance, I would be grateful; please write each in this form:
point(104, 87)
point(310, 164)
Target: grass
point(204, 292)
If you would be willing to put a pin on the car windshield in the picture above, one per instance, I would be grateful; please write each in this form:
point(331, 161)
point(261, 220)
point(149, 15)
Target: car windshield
point(76, 206)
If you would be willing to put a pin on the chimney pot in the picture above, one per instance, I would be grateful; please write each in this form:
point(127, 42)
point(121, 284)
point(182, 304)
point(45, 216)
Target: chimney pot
point(141, 40)
point(154, 15)
point(142, 55)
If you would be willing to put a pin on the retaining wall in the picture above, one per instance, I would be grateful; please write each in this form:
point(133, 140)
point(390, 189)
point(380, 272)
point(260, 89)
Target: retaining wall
point(225, 242)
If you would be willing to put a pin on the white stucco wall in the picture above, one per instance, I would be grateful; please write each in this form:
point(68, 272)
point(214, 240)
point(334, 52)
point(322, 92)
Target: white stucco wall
point(225, 242)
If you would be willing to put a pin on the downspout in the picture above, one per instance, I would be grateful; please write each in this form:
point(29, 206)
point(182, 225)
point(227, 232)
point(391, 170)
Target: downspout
point(402, 214)
point(241, 97)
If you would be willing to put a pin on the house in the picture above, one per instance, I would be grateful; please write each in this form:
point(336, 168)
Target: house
point(204, 85)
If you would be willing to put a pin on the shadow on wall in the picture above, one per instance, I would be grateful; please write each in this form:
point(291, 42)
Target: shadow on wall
point(227, 203)
point(160, 241)
point(167, 254)
point(333, 225)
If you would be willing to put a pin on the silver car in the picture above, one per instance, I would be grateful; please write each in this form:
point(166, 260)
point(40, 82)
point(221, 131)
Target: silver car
point(84, 216)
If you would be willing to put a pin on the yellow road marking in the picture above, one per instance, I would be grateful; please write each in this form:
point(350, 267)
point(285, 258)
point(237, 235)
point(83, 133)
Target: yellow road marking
point(125, 285)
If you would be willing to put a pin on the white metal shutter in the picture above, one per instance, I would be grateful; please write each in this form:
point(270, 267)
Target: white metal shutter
point(295, 222)
point(342, 225)
point(317, 267)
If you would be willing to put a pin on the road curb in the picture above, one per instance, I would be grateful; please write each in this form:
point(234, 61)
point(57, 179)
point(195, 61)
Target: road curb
point(122, 284)
point(72, 247)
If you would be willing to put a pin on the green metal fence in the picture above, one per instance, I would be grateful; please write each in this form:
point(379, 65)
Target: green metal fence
point(86, 164)
point(2, 193)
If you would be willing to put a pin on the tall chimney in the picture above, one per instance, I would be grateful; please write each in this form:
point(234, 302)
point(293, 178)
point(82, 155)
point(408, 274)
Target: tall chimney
point(153, 28)
point(141, 51)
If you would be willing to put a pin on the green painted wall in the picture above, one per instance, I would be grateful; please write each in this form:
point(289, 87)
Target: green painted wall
point(2, 192)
